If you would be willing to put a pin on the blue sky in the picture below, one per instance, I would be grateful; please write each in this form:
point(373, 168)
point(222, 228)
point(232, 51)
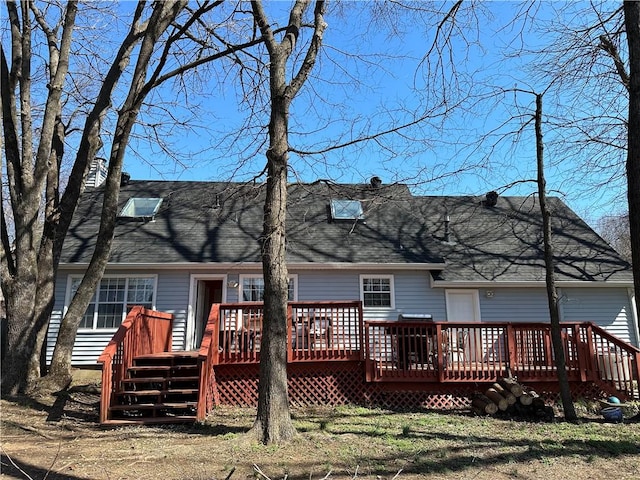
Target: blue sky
point(446, 155)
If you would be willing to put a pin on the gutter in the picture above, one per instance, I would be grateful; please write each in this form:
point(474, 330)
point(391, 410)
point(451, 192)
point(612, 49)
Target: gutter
point(251, 266)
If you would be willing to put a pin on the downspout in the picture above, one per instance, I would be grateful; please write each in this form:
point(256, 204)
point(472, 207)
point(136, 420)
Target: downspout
point(634, 316)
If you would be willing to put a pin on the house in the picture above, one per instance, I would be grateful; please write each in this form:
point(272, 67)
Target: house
point(180, 247)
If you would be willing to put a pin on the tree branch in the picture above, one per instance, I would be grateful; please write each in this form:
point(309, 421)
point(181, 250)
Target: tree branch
point(312, 52)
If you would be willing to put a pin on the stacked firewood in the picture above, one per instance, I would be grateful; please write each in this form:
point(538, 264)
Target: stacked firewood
point(508, 398)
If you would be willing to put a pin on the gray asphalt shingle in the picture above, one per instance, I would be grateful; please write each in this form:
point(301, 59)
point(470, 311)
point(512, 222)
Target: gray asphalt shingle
point(216, 222)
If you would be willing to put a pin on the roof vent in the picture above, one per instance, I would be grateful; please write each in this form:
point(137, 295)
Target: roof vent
point(375, 182)
point(124, 179)
point(447, 232)
point(491, 199)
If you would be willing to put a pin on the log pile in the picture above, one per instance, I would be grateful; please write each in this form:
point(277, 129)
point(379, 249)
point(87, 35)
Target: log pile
point(508, 399)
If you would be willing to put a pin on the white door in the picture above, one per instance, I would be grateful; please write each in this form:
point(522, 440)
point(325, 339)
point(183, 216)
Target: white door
point(465, 343)
point(463, 306)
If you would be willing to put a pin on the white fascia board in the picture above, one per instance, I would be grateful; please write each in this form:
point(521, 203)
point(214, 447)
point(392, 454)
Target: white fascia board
point(258, 265)
point(530, 284)
point(366, 266)
point(168, 266)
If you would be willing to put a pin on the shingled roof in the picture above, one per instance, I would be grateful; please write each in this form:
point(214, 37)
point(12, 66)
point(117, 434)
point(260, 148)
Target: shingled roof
point(217, 222)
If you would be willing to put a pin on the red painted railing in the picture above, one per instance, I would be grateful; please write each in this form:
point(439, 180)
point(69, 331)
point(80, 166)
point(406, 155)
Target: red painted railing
point(207, 358)
point(616, 363)
point(324, 331)
point(403, 351)
point(143, 332)
point(316, 331)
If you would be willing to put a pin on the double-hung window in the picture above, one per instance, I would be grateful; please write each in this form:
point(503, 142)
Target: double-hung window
point(252, 288)
point(113, 299)
point(376, 291)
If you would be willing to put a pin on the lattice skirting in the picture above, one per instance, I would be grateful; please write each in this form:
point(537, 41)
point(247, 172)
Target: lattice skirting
point(343, 383)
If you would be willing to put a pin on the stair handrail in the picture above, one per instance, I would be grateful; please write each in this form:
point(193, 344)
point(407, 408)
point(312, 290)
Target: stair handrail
point(612, 366)
point(207, 358)
point(140, 333)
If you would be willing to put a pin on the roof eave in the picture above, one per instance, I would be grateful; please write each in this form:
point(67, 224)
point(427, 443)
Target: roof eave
point(258, 265)
point(531, 283)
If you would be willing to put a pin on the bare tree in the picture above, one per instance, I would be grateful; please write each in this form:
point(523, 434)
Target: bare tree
point(549, 263)
point(597, 101)
point(273, 420)
point(632, 24)
point(29, 262)
point(615, 230)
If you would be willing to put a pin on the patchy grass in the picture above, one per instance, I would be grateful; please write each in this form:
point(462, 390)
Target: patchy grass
point(58, 439)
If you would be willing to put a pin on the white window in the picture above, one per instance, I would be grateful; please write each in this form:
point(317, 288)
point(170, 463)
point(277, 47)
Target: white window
point(114, 298)
point(376, 291)
point(252, 288)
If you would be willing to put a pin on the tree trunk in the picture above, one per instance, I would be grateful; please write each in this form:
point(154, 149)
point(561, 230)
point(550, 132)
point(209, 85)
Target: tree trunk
point(27, 278)
point(161, 18)
point(552, 293)
point(632, 24)
point(273, 420)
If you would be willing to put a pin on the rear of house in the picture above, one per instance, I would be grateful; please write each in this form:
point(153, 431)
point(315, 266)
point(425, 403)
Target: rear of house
point(180, 247)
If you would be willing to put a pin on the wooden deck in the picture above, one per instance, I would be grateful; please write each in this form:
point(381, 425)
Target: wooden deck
point(337, 357)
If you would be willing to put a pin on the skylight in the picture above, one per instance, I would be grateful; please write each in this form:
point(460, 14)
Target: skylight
point(346, 210)
point(141, 207)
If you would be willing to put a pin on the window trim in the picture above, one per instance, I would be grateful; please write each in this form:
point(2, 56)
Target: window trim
point(392, 291)
point(95, 328)
point(242, 277)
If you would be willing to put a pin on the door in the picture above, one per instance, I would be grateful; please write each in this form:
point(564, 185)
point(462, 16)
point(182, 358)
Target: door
point(208, 293)
point(466, 344)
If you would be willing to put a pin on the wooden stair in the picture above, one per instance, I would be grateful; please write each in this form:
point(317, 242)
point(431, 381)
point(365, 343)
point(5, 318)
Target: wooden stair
point(159, 388)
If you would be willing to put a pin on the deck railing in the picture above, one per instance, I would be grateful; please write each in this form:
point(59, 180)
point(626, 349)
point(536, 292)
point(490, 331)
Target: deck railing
point(398, 351)
point(324, 331)
point(616, 363)
point(143, 332)
point(316, 331)
point(207, 358)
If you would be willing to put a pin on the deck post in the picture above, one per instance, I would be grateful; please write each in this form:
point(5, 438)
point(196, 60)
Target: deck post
point(367, 355)
point(215, 337)
point(289, 333)
point(582, 350)
point(440, 360)
point(361, 330)
point(512, 349)
point(635, 363)
point(592, 371)
point(106, 390)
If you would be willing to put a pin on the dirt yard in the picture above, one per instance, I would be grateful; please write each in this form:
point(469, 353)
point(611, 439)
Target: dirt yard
point(58, 438)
